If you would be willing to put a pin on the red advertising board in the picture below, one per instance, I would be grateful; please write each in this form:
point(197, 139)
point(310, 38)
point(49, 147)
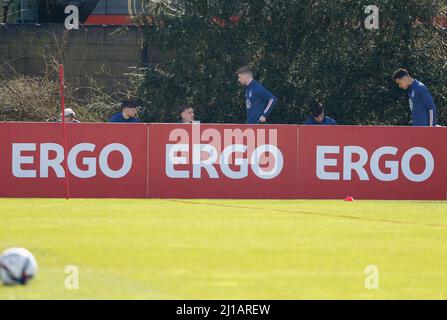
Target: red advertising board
point(373, 162)
point(104, 160)
point(223, 161)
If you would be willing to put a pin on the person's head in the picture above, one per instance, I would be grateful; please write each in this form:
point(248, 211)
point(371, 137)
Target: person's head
point(187, 114)
point(244, 76)
point(403, 79)
point(129, 108)
point(69, 115)
point(317, 111)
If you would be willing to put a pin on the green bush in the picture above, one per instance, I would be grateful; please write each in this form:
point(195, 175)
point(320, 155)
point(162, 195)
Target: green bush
point(299, 50)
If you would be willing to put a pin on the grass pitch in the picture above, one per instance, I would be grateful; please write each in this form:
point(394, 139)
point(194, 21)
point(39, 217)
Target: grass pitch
point(209, 249)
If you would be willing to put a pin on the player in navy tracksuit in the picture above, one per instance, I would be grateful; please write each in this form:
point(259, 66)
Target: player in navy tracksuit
point(259, 101)
point(319, 116)
point(422, 106)
point(128, 114)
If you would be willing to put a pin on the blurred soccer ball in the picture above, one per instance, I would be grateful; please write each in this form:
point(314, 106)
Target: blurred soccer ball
point(17, 266)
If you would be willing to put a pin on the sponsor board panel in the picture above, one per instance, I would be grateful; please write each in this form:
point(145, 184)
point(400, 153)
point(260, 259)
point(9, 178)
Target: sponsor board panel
point(222, 161)
point(104, 160)
point(373, 162)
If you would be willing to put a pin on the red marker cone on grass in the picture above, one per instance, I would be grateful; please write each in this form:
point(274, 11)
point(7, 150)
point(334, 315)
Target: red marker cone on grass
point(349, 199)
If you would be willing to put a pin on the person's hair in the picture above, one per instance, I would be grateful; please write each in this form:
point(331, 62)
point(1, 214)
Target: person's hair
point(130, 103)
point(316, 108)
point(244, 70)
point(183, 108)
point(400, 73)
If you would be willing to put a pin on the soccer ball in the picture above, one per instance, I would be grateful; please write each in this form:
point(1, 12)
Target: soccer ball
point(17, 266)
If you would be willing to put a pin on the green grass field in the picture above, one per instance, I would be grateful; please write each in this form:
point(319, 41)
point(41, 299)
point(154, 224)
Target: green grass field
point(207, 249)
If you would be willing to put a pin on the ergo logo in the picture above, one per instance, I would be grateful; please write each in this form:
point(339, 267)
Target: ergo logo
point(55, 163)
point(248, 148)
point(324, 161)
point(249, 155)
